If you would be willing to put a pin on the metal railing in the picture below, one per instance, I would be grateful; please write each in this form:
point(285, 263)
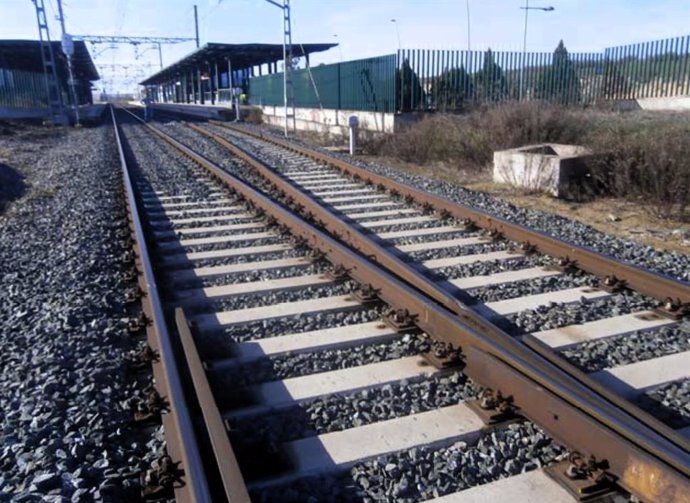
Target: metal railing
point(24, 89)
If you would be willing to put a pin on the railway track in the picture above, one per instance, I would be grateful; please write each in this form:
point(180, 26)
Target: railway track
point(334, 320)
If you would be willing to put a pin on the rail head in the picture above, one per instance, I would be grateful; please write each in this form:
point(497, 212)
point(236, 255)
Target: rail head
point(182, 442)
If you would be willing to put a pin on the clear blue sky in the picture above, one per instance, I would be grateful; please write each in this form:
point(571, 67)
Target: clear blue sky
point(363, 27)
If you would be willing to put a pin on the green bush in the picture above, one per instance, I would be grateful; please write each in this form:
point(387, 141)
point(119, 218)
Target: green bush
point(648, 162)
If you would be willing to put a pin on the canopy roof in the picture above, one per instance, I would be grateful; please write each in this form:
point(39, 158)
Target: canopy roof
point(26, 55)
point(240, 56)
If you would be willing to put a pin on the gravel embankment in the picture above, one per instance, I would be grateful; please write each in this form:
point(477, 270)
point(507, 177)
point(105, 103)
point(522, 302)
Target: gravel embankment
point(67, 393)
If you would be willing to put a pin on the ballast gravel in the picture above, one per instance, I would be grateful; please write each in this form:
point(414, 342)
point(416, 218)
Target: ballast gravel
point(350, 410)
point(555, 315)
point(673, 264)
point(67, 392)
point(625, 349)
point(424, 473)
point(301, 364)
point(670, 403)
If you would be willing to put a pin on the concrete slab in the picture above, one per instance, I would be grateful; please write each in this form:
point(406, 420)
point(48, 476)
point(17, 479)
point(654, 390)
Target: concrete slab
point(561, 338)
point(218, 292)
point(342, 449)
point(470, 259)
point(232, 238)
point(338, 381)
point(550, 167)
point(148, 199)
point(191, 204)
point(633, 379)
point(382, 213)
point(344, 192)
point(509, 306)
point(342, 199)
point(228, 252)
point(349, 208)
point(315, 173)
point(422, 219)
point(256, 265)
point(230, 210)
point(418, 232)
point(316, 340)
point(215, 218)
point(323, 304)
point(502, 277)
point(208, 230)
point(531, 487)
point(336, 184)
point(442, 243)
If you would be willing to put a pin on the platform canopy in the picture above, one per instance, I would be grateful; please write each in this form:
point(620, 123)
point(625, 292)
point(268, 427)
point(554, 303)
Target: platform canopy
point(26, 55)
point(241, 56)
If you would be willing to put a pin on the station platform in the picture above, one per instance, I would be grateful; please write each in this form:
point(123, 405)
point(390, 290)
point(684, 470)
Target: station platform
point(220, 112)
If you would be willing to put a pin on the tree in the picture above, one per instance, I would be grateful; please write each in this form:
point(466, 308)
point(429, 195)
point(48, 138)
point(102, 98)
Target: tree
point(408, 90)
point(560, 83)
point(452, 89)
point(490, 82)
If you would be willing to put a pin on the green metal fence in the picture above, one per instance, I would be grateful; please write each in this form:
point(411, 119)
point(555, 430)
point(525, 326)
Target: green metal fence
point(19, 88)
point(452, 80)
point(660, 68)
point(448, 80)
point(365, 84)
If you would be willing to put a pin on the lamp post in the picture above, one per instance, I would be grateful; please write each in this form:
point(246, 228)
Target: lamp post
point(397, 31)
point(467, 6)
point(340, 49)
point(527, 8)
point(287, 53)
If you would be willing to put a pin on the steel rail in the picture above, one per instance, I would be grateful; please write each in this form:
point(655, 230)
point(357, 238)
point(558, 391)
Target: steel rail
point(371, 248)
point(640, 460)
point(179, 432)
point(233, 482)
point(646, 282)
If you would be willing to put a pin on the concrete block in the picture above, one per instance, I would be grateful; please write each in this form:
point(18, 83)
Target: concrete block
point(549, 167)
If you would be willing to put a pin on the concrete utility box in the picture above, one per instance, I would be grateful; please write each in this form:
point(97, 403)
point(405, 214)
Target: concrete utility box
point(549, 167)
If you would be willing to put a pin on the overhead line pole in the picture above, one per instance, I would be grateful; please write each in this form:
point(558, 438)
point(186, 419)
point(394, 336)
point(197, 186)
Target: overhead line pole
point(196, 25)
point(288, 97)
point(68, 49)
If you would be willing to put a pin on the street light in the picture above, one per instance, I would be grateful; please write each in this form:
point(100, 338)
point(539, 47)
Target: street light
point(397, 31)
point(287, 53)
point(340, 49)
point(527, 8)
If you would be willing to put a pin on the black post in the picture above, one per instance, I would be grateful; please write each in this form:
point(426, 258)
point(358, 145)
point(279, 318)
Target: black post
point(196, 26)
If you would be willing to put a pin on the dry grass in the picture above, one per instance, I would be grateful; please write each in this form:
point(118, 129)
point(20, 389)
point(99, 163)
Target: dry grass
point(642, 157)
point(469, 140)
point(646, 163)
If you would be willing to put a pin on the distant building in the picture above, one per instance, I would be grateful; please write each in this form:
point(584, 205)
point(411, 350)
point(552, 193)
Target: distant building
point(22, 81)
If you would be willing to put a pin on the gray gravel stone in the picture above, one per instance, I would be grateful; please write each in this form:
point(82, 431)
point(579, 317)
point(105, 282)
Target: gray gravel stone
point(66, 393)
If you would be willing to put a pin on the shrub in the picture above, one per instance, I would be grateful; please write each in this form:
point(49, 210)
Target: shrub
point(649, 162)
point(470, 139)
point(254, 116)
